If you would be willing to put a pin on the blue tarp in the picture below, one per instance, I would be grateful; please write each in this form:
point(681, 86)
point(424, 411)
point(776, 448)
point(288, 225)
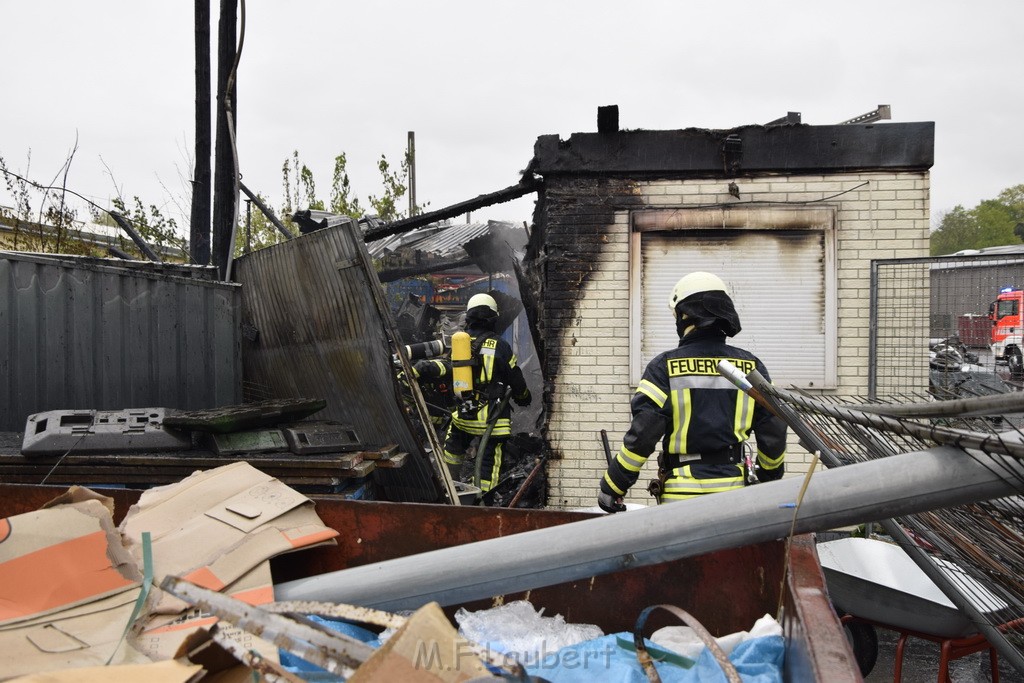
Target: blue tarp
point(758, 660)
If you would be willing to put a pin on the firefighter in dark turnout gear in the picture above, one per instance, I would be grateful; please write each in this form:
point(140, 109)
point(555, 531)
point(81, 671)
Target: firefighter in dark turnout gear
point(701, 419)
point(494, 370)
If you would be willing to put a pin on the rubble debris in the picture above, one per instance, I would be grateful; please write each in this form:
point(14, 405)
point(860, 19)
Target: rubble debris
point(320, 437)
point(245, 416)
point(215, 526)
point(70, 581)
point(326, 330)
point(387, 530)
point(334, 652)
point(54, 432)
point(402, 658)
point(249, 441)
point(142, 469)
point(133, 447)
point(520, 631)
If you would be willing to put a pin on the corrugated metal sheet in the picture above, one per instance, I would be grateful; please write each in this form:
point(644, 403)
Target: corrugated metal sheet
point(93, 334)
point(325, 332)
point(444, 241)
point(448, 242)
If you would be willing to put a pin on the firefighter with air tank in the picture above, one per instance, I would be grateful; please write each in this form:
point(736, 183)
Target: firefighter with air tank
point(484, 375)
point(700, 418)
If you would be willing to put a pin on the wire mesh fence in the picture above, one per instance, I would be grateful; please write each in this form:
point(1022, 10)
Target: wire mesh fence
point(923, 303)
point(932, 330)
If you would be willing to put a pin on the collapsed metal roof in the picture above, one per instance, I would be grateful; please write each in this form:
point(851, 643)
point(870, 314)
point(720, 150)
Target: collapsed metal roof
point(443, 240)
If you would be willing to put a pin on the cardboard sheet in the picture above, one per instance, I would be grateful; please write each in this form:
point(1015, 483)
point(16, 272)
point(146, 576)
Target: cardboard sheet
point(69, 581)
point(217, 529)
point(67, 587)
point(215, 526)
point(426, 649)
point(60, 557)
point(152, 672)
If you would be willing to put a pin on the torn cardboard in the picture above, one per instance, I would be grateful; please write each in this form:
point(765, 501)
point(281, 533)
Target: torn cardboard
point(67, 587)
point(214, 527)
point(60, 557)
point(217, 529)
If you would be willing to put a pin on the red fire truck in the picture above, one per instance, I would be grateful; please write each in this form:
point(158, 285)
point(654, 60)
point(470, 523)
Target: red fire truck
point(1007, 332)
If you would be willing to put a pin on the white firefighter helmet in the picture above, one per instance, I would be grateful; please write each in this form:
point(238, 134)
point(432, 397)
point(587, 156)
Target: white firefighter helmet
point(482, 300)
point(695, 283)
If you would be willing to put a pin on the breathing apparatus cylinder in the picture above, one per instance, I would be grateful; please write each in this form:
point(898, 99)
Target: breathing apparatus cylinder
point(427, 349)
point(462, 368)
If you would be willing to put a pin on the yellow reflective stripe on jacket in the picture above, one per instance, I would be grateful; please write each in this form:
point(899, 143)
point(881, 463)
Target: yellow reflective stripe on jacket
point(651, 391)
point(630, 460)
point(487, 357)
point(608, 480)
point(769, 463)
point(681, 412)
point(502, 427)
point(682, 482)
point(453, 458)
point(489, 479)
point(744, 419)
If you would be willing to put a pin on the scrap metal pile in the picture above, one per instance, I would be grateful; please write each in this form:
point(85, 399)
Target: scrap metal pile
point(973, 552)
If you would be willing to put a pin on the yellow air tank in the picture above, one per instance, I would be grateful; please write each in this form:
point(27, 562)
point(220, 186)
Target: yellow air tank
point(462, 367)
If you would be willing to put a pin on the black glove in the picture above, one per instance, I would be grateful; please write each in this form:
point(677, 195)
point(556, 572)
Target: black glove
point(524, 399)
point(609, 503)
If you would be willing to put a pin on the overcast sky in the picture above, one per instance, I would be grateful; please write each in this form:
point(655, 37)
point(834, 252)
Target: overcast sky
point(479, 81)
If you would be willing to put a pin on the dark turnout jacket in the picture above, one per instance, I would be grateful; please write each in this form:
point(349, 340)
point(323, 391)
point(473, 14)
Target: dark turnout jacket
point(696, 414)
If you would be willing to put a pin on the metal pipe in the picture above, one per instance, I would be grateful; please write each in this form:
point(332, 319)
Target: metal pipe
point(126, 225)
point(265, 211)
point(528, 481)
point(336, 652)
point(1007, 443)
point(974, 406)
point(607, 447)
point(880, 489)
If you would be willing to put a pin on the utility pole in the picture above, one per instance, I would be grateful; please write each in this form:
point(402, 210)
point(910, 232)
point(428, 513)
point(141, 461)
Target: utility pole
point(248, 225)
point(199, 224)
point(225, 172)
point(410, 155)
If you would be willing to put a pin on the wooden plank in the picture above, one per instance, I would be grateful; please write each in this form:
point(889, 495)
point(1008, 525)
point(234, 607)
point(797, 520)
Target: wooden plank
point(396, 460)
point(380, 453)
point(59, 479)
point(324, 460)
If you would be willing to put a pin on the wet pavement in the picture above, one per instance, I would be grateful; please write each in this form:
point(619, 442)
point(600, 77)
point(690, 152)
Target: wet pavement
point(921, 663)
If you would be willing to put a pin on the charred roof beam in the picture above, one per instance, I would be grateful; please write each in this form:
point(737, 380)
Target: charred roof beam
point(523, 187)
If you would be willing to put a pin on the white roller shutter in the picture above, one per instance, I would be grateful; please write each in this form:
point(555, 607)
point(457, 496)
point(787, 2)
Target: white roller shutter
point(778, 281)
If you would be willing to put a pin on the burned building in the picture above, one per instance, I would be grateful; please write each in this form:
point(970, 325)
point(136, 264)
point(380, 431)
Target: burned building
point(789, 215)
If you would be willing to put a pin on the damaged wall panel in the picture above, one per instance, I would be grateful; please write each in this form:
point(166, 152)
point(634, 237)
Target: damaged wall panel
point(92, 334)
point(319, 329)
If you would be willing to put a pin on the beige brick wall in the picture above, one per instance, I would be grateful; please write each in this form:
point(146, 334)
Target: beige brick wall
point(879, 215)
